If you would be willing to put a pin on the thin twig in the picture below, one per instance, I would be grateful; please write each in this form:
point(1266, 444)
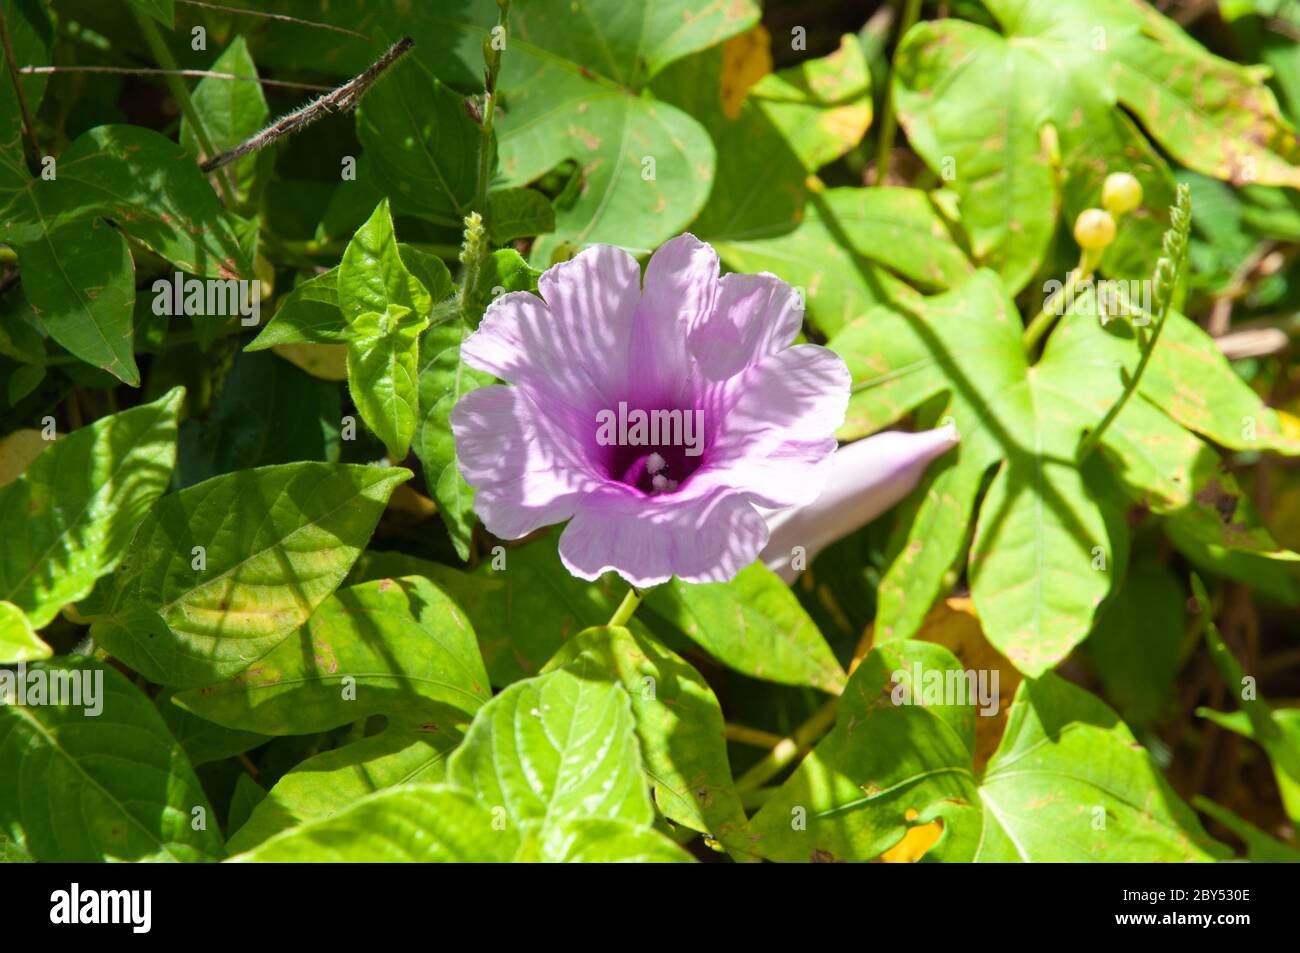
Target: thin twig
point(282, 17)
point(28, 126)
point(340, 100)
point(151, 71)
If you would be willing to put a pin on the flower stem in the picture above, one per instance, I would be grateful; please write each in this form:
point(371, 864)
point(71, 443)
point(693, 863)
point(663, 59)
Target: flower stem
point(888, 122)
point(625, 608)
point(1168, 271)
point(787, 750)
point(1043, 320)
point(182, 95)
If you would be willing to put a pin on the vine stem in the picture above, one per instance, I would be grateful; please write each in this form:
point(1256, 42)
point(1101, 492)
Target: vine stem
point(1039, 326)
point(623, 614)
point(889, 122)
point(476, 245)
point(789, 749)
point(163, 55)
point(29, 128)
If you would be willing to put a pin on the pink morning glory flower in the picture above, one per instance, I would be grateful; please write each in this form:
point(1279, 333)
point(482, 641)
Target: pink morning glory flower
point(657, 419)
point(867, 477)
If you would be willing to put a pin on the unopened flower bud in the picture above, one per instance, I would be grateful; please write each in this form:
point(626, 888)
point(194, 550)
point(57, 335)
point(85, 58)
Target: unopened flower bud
point(1094, 229)
point(1121, 193)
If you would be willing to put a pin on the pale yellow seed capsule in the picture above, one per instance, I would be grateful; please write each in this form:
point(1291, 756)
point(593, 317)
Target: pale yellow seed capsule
point(1121, 193)
point(1094, 229)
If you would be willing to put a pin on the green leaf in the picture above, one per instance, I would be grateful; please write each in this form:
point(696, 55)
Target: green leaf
point(523, 610)
point(268, 412)
point(977, 106)
point(518, 213)
point(232, 111)
point(373, 275)
point(275, 542)
point(391, 645)
point(386, 307)
point(77, 270)
point(383, 364)
point(423, 824)
point(753, 624)
point(18, 640)
point(421, 146)
point(579, 94)
point(557, 747)
point(203, 740)
point(98, 781)
point(409, 824)
point(1065, 760)
point(1136, 647)
point(407, 751)
point(443, 380)
point(1260, 847)
point(678, 723)
point(1041, 525)
point(309, 314)
point(80, 501)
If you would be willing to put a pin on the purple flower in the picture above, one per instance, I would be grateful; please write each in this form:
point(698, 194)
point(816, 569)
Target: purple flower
point(655, 419)
point(867, 477)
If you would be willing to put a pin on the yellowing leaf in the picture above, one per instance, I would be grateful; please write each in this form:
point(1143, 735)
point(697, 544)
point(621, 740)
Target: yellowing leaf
point(329, 362)
point(18, 450)
point(746, 58)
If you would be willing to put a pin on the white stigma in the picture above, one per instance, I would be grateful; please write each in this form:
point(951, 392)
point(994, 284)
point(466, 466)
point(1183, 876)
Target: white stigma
point(654, 463)
point(659, 482)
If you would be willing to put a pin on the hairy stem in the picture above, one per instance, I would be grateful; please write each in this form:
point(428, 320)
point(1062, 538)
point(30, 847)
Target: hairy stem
point(339, 100)
point(476, 233)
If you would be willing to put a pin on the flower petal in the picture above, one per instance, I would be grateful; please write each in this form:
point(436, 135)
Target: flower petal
point(755, 316)
point(681, 286)
point(775, 427)
point(867, 477)
point(523, 477)
point(648, 540)
point(574, 345)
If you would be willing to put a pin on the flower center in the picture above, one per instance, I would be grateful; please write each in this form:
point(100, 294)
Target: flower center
point(654, 451)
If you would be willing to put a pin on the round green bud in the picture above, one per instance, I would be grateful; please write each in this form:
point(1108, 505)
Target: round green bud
point(1094, 229)
point(1121, 193)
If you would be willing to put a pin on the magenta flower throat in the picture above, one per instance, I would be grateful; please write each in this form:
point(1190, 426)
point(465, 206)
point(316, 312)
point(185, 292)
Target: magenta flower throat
point(654, 417)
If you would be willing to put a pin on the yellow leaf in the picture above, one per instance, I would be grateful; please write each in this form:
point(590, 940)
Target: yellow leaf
point(18, 450)
point(915, 842)
point(746, 59)
point(327, 361)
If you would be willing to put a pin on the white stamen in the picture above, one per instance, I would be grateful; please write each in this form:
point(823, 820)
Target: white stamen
point(654, 463)
point(659, 482)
